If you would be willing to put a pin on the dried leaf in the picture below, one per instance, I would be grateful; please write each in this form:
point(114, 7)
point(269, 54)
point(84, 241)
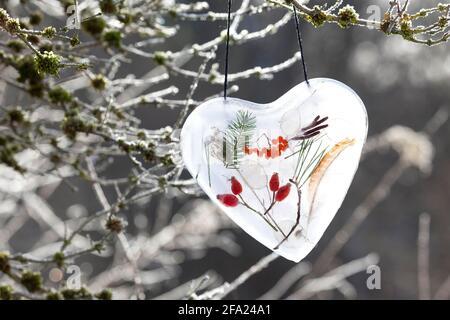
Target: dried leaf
point(323, 165)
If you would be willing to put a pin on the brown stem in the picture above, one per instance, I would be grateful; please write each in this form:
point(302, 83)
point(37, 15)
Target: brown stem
point(267, 213)
point(297, 222)
point(257, 212)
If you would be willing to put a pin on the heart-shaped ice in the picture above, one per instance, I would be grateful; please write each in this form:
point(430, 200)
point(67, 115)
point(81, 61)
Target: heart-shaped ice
point(279, 170)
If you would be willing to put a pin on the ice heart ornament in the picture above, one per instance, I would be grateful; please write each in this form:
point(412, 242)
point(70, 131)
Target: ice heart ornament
point(279, 170)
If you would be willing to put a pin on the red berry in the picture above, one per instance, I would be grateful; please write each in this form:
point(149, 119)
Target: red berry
point(283, 192)
point(274, 183)
point(236, 186)
point(283, 143)
point(228, 200)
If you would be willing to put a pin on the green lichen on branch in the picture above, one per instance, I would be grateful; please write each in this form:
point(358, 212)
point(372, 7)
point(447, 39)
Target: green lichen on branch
point(5, 267)
point(105, 294)
point(59, 95)
point(109, 6)
point(54, 295)
point(32, 281)
point(94, 26)
point(317, 17)
point(48, 63)
point(99, 82)
point(35, 18)
point(160, 57)
point(9, 147)
point(76, 294)
point(16, 46)
point(74, 123)
point(406, 28)
point(59, 258)
point(79, 294)
point(49, 32)
point(6, 292)
point(347, 16)
point(11, 25)
point(396, 21)
point(113, 38)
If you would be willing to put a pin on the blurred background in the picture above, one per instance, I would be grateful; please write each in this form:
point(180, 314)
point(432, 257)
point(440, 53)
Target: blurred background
point(401, 84)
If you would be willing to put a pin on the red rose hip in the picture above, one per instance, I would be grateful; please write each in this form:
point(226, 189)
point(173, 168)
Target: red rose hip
point(274, 183)
point(283, 192)
point(236, 186)
point(228, 200)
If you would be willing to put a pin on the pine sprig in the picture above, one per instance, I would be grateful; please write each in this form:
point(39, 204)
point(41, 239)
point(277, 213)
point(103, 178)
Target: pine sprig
point(245, 122)
point(237, 135)
point(308, 157)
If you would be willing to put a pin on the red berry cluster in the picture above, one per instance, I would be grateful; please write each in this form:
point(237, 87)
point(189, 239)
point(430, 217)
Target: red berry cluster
point(278, 146)
point(231, 199)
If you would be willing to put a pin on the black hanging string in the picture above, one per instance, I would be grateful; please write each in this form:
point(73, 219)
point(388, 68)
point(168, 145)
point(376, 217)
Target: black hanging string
point(227, 52)
point(300, 44)
point(225, 83)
